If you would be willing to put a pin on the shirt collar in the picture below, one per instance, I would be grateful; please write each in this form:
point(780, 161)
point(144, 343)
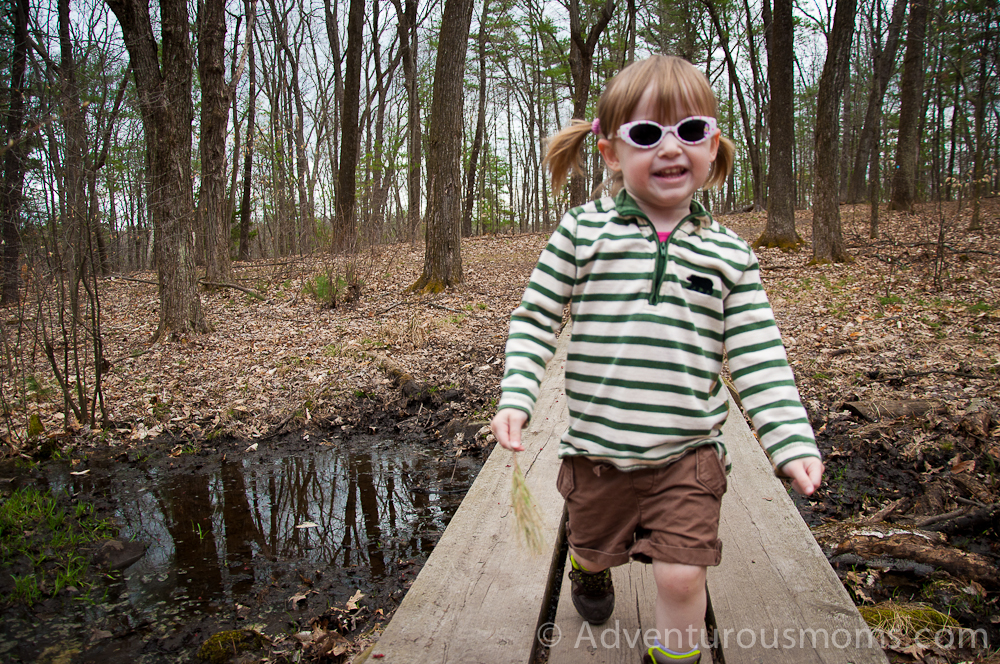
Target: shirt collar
point(626, 207)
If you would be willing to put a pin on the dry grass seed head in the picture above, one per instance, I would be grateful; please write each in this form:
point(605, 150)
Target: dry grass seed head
point(906, 618)
point(528, 519)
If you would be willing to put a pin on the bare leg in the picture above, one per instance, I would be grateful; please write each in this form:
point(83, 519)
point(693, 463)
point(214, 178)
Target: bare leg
point(681, 600)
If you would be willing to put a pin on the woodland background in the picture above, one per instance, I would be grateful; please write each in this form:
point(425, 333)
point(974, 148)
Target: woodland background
point(226, 225)
point(200, 141)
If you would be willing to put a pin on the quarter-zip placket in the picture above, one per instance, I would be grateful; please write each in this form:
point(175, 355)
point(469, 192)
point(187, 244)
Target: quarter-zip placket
point(661, 265)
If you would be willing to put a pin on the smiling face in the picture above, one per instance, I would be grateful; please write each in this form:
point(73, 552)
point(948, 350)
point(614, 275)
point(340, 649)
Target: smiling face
point(662, 179)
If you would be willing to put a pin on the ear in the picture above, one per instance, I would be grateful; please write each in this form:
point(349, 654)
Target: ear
point(713, 146)
point(607, 150)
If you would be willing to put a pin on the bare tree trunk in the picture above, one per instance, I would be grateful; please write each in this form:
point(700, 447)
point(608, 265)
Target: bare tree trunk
point(881, 74)
point(212, 142)
point(828, 240)
point(345, 229)
point(986, 42)
point(756, 168)
point(443, 250)
point(407, 33)
point(14, 157)
point(75, 147)
point(581, 63)
point(541, 99)
point(234, 107)
point(631, 30)
point(305, 226)
point(383, 170)
point(333, 36)
point(875, 175)
point(477, 143)
point(904, 181)
point(106, 125)
point(249, 150)
point(165, 103)
point(778, 32)
point(281, 137)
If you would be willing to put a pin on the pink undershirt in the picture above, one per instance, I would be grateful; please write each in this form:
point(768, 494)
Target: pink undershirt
point(663, 236)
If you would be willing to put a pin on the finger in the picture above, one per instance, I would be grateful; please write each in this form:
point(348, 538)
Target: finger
point(801, 481)
point(514, 440)
point(816, 474)
point(507, 435)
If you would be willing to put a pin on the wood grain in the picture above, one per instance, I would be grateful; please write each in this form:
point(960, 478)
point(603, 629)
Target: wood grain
point(480, 595)
point(774, 584)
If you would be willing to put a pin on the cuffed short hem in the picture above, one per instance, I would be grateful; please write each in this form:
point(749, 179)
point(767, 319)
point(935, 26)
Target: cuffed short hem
point(646, 551)
point(600, 559)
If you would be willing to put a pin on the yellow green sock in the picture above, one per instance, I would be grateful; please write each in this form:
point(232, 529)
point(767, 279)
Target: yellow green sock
point(674, 656)
point(577, 565)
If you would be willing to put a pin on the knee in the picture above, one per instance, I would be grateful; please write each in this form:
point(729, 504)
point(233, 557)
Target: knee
point(679, 582)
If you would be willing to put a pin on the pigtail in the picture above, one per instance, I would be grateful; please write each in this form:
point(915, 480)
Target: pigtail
point(563, 151)
point(722, 165)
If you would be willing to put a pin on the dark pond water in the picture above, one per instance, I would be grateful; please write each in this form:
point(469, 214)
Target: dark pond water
point(232, 536)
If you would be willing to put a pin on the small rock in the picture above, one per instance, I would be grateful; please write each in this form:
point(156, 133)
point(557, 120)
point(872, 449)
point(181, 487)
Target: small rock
point(116, 554)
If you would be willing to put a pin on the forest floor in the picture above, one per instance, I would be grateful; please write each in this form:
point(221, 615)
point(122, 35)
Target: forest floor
point(897, 358)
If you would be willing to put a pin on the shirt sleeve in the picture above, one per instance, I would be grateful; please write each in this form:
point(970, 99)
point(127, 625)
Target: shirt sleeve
point(534, 324)
point(761, 373)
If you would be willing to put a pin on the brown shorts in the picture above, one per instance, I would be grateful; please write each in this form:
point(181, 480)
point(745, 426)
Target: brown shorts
point(670, 514)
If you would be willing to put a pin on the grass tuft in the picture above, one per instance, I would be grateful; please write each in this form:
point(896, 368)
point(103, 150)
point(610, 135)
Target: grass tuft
point(906, 618)
point(529, 520)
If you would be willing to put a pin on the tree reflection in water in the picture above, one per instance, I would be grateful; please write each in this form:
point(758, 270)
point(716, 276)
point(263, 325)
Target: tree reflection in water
point(353, 510)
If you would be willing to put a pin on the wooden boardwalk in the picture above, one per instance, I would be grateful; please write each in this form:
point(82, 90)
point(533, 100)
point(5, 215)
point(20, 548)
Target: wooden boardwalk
point(482, 598)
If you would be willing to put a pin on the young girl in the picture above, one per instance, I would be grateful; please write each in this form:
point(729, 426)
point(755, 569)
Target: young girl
point(658, 292)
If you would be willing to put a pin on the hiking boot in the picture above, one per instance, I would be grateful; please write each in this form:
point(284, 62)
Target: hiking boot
point(657, 655)
point(593, 594)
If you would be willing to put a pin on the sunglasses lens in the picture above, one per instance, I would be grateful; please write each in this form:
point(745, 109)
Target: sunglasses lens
point(692, 131)
point(645, 133)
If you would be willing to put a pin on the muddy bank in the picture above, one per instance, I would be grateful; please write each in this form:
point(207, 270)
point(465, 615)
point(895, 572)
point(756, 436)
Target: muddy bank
point(908, 512)
point(328, 525)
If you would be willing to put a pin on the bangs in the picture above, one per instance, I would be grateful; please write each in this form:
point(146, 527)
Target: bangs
point(684, 91)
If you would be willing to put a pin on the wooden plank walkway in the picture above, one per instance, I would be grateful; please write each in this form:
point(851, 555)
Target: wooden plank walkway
point(774, 599)
point(481, 597)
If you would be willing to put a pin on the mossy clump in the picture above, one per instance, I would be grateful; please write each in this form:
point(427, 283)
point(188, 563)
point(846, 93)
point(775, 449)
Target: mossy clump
point(906, 618)
point(224, 646)
point(35, 428)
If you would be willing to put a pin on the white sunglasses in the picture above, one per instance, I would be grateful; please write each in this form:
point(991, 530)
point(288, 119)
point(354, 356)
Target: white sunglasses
point(645, 134)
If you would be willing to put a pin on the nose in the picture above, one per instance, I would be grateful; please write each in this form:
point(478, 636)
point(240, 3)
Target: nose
point(670, 145)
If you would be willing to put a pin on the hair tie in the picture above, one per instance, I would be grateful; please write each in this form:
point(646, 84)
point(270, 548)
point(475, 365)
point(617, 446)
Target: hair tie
point(595, 126)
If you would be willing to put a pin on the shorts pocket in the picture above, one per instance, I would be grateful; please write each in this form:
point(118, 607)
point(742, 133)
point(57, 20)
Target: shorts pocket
point(564, 480)
point(710, 472)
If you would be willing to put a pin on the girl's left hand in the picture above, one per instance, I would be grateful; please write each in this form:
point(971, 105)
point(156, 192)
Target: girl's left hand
point(806, 474)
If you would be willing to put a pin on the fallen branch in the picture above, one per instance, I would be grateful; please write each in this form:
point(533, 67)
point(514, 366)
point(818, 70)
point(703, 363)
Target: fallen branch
point(875, 411)
point(216, 284)
point(441, 306)
point(969, 521)
point(937, 518)
point(923, 548)
point(884, 513)
point(281, 425)
point(916, 374)
point(139, 281)
point(390, 308)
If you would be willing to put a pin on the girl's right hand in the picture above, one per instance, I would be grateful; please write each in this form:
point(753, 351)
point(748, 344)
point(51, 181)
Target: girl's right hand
point(507, 425)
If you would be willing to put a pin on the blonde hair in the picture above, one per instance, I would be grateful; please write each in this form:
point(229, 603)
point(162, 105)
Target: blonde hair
point(683, 90)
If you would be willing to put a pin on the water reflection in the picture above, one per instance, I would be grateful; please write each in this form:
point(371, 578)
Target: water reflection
point(341, 516)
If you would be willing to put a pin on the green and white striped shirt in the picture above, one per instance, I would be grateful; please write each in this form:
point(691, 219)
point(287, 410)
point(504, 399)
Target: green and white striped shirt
point(651, 321)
